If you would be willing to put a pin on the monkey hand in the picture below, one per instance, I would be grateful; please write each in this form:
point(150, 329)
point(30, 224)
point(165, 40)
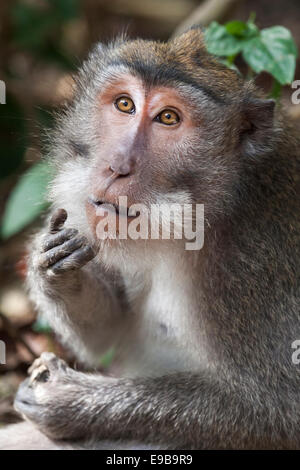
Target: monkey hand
point(63, 249)
point(32, 399)
point(53, 397)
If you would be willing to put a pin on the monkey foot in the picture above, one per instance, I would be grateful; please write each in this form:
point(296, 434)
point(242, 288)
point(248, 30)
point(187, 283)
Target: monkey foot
point(40, 397)
point(42, 367)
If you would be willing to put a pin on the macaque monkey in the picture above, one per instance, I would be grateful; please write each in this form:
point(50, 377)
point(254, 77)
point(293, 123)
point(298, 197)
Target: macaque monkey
point(202, 338)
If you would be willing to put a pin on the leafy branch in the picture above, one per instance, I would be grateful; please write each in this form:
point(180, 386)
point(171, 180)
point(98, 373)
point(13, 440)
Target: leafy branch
point(271, 50)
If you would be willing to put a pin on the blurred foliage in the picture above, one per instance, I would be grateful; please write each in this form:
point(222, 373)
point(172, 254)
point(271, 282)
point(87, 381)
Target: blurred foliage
point(106, 359)
point(36, 29)
point(27, 200)
point(39, 29)
point(272, 50)
point(41, 326)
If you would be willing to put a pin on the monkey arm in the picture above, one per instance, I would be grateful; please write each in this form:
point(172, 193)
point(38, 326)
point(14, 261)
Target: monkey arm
point(183, 410)
point(82, 310)
point(81, 304)
point(187, 411)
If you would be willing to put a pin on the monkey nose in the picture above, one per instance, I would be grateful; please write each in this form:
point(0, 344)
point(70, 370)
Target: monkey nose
point(122, 169)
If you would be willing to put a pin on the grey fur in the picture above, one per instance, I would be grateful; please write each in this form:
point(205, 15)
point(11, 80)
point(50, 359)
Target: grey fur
point(203, 339)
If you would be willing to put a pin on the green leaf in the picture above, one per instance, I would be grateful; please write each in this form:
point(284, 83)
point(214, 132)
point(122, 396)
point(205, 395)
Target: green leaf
point(276, 90)
point(27, 200)
point(41, 325)
point(107, 358)
point(251, 31)
point(236, 28)
point(273, 51)
point(220, 42)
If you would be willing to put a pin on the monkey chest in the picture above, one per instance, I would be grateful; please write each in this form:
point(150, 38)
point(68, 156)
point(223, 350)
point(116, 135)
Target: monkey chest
point(168, 337)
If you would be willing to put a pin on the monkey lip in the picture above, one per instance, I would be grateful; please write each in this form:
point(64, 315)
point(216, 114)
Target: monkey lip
point(111, 207)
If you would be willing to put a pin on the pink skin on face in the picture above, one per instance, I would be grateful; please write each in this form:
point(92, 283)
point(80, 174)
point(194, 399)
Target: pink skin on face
point(125, 137)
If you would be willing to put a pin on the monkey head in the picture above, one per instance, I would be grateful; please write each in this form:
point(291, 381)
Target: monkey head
point(158, 122)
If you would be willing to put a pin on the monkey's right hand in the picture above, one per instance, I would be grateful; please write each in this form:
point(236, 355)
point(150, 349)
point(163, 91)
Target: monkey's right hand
point(63, 249)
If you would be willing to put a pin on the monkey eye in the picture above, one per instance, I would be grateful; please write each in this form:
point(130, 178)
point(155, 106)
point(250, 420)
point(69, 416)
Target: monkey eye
point(168, 117)
point(125, 105)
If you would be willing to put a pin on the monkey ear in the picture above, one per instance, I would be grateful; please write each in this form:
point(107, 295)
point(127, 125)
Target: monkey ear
point(257, 126)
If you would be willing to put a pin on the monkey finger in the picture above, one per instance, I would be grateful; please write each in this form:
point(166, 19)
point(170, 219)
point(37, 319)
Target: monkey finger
point(39, 374)
point(58, 238)
point(57, 220)
point(36, 363)
point(46, 362)
point(76, 260)
point(52, 362)
point(55, 254)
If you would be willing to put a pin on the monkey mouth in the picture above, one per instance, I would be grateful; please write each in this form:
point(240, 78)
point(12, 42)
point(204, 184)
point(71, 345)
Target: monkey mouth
point(111, 207)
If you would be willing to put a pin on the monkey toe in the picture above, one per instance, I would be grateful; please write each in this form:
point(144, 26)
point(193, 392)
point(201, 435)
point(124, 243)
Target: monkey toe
point(31, 399)
point(39, 374)
point(44, 368)
point(36, 363)
point(52, 362)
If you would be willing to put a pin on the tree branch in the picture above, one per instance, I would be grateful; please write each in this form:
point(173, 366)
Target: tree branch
point(208, 11)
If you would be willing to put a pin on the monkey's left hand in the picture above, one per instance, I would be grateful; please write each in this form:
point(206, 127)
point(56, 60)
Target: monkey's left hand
point(53, 397)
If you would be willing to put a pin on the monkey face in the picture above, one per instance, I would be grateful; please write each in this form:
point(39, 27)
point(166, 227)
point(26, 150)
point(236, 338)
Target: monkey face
point(142, 131)
point(158, 123)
